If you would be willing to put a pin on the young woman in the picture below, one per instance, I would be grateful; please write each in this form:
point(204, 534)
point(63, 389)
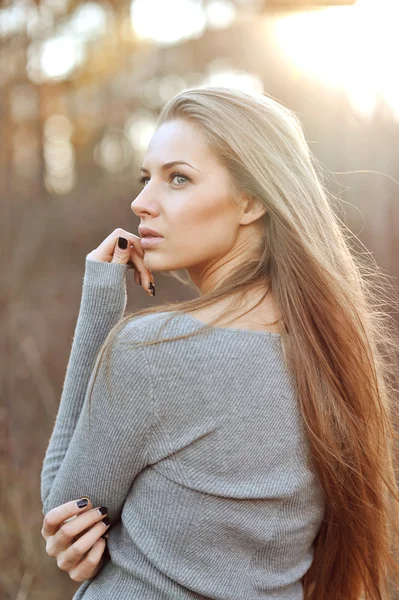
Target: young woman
point(240, 443)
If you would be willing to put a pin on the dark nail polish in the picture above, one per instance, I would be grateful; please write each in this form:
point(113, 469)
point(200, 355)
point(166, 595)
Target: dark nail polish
point(82, 503)
point(122, 243)
point(103, 510)
point(106, 520)
point(151, 288)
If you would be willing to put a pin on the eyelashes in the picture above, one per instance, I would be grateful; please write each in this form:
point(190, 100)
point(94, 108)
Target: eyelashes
point(143, 179)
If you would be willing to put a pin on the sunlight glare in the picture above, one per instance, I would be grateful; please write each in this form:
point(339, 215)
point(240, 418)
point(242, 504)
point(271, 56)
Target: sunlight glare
point(354, 48)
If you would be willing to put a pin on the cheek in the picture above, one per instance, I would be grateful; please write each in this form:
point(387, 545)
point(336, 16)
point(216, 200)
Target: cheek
point(208, 228)
point(199, 230)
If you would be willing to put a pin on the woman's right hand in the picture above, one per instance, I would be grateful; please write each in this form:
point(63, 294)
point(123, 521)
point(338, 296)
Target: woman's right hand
point(73, 537)
point(132, 255)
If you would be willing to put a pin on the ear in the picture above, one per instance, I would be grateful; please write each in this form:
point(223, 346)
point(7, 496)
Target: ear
point(252, 208)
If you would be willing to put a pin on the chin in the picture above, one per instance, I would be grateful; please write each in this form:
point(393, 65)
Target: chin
point(156, 262)
point(153, 262)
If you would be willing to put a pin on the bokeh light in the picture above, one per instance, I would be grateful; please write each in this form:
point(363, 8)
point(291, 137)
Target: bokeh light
point(88, 22)
point(55, 58)
point(12, 20)
point(59, 155)
point(139, 128)
point(174, 22)
point(220, 14)
point(113, 153)
point(40, 22)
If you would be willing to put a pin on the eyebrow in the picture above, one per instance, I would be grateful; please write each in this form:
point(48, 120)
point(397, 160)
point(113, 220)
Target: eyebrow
point(171, 164)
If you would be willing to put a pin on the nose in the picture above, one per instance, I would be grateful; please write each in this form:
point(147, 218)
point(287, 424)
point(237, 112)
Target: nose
point(134, 206)
point(139, 207)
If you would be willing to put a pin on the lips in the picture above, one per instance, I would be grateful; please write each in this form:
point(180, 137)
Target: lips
point(147, 232)
point(150, 241)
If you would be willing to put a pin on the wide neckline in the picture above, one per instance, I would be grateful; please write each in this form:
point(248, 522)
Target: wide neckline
point(232, 330)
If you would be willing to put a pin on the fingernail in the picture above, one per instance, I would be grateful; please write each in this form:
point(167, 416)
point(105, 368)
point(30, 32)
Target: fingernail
point(106, 520)
point(81, 503)
point(151, 288)
point(122, 243)
point(103, 510)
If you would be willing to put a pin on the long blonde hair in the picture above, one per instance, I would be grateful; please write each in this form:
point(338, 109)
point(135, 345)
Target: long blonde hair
point(339, 346)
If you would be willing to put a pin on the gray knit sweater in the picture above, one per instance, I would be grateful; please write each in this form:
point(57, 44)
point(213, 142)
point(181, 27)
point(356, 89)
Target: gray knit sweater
point(196, 447)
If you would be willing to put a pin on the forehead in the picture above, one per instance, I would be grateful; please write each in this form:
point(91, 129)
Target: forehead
point(177, 139)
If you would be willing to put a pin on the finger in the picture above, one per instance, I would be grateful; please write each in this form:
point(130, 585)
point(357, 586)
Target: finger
point(56, 516)
point(87, 567)
point(105, 251)
point(71, 556)
point(137, 277)
point(121, 251)
point(108, 245)
point(145, 274)
point(71, 531)
point(135, 241)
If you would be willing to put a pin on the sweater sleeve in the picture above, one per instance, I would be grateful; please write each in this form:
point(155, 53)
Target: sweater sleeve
point(98, 453)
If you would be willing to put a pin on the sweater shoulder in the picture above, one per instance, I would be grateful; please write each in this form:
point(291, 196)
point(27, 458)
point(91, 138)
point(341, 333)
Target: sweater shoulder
point(151, 326)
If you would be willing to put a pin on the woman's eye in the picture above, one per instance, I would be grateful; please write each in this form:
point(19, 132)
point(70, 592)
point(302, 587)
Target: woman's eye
point(174, 175)
point(143, 180)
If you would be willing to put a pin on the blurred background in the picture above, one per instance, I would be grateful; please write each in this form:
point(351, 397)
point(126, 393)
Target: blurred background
point(81, 86)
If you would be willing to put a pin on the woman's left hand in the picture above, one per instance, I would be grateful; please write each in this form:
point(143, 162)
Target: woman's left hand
point(73, 537)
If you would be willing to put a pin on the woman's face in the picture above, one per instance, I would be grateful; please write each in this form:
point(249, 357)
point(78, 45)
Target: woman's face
point(191, 207)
